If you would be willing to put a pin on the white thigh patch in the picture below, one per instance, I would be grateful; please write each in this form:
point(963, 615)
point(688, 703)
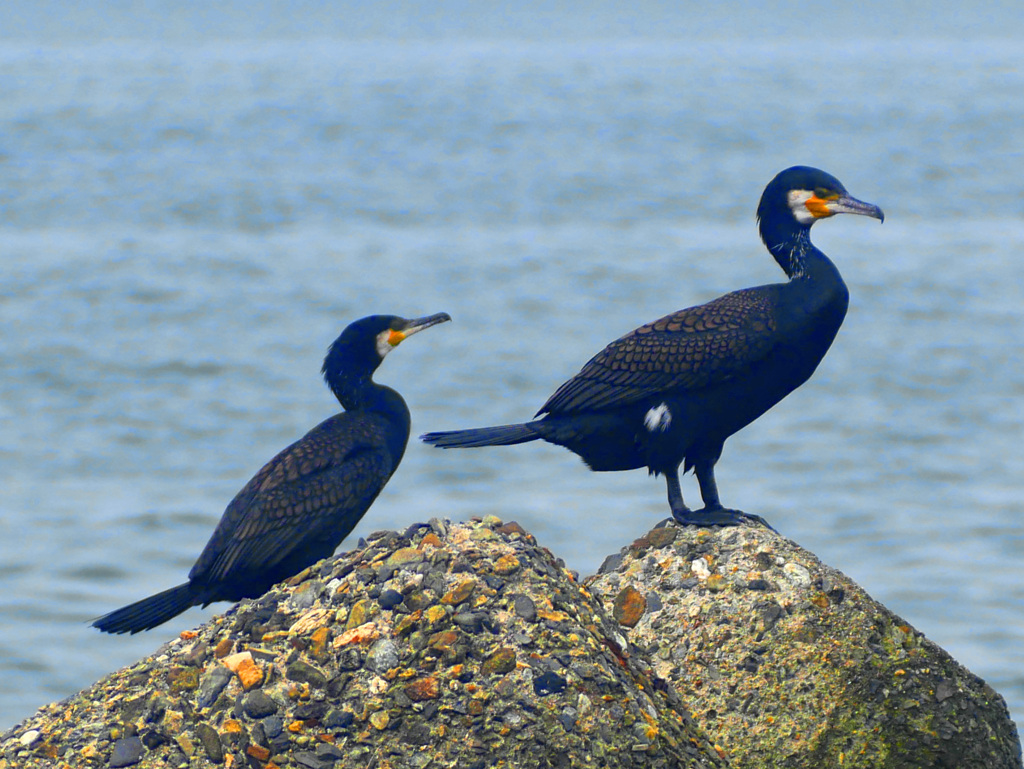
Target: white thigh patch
point(658, 419)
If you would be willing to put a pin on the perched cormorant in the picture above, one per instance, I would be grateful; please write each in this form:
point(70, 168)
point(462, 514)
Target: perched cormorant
point(672, 391)
point(306, 500)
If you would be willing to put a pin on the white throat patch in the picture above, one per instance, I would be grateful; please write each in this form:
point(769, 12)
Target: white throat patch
point(658, 419)
point(383, 345)
point(797, 200)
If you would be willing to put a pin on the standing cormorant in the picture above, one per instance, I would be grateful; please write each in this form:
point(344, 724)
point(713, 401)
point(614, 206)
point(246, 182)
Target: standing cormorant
point(672, 391)
point(306, 500)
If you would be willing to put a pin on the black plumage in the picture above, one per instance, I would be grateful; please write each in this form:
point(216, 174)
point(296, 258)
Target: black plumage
point(307, 499)
point(671, 392)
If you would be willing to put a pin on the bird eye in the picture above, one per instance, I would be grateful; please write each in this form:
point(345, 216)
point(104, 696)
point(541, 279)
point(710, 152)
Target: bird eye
point(821, 192)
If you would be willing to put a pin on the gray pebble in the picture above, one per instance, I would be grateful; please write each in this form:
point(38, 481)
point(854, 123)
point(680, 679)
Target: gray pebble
point(305, 598)
point(568, 719)
point(339, 719)
point(272, 726)
point(329, 752)
point(525, 608)
point(383, 656)
point(471, 622)
point(211, 742)
point(305, 673)
point(521, 639)
point(257, 704)
point(212, 685)
point(310, 760)
point(127, 752)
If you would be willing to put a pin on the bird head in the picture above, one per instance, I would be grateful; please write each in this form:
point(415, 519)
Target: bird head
point(808, 194)
point(365, 342)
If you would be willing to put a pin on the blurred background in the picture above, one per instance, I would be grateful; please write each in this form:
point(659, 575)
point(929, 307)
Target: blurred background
point(195, 198)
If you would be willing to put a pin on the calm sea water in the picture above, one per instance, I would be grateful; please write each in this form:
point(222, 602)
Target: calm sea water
point(186, 226)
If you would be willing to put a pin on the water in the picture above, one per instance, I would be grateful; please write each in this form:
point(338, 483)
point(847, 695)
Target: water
point(186, 225)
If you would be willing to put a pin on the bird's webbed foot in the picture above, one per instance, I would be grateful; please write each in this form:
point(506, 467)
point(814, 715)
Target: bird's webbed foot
point(717, 516)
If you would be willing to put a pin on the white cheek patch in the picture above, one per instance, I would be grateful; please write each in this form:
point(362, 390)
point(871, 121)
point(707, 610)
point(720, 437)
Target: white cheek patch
point(658, 419)
point(797, 200)
point(383, 345)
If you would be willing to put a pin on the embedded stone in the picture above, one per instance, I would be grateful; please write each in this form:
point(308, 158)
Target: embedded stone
point(211, 742)
point(422, 689)
point(460, 593)
point(306, 673)
point(257, 704)
point(629, 606)
point(223, 648)
point(405, 556)
point(245, 668)
point(715, 583)
point(547, 683)
point(507, 564)
point(662, 537)
point(359, 615)
point(258, 752)
point(212, 685)
point(383, 656)
point(126, 752)
point(501, 662)
point(362, 634)
point(525, 608)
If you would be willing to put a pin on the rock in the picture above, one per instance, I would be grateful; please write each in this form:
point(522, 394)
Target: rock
point(243, 665)
point(422, 689)
point(496, 650)
point(629, 606)
point(211, 742)
point(549, 683)
point(786, 662)
point(389, 599)
point(257, 704)
point(383, 656)
point(212, 685)
point(126, 752)
point(525, 608)
point(500, 662)
point(304, 672)
point(29, 737)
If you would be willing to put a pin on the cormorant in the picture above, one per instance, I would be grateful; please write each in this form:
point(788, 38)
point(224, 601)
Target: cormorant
point(672, 391)
point(307, 499)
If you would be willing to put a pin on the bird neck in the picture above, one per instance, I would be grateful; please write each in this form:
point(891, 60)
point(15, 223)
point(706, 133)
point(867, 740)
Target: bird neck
point(361, 393)
point(798, 257)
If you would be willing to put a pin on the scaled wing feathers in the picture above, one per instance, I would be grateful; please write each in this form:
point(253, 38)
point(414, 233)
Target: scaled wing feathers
point(267, 521)
point(686, 350)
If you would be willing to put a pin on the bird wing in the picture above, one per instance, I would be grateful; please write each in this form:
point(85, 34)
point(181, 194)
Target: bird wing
point(316, 489)
point(687, 350)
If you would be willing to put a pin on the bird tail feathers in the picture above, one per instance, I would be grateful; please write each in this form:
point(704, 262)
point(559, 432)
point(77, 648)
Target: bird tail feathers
point(501, 435)
point(149, 612)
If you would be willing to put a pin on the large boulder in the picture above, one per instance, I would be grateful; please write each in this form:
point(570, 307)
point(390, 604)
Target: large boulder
point(461, 645)
point(785, 662)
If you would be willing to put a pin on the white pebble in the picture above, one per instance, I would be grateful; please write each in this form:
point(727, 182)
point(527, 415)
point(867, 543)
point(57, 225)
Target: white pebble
point(797, 574)
point(700, 568)
point(29, 737)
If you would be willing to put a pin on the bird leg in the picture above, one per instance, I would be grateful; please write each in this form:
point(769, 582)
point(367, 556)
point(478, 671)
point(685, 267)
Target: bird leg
point(705, 472)
point(712, 514)
point(675, 495)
